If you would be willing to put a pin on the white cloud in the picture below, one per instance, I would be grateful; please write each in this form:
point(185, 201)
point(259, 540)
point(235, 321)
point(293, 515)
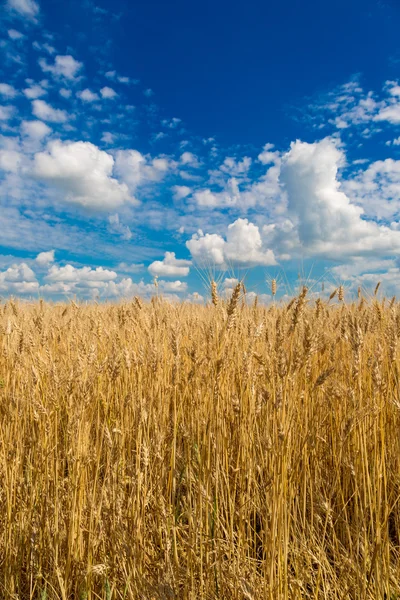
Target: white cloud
point(349, 105)
point(240, 191)
point(82, 173)
point(230, 196)
point(46, 47)
point(44, 259)
point(107, 93)
point(181, 191)
point(236, 168)
point(243, 245)
point(159, 136)
point(390, 113)
point(390, 109)
point(127, 288)
point(115, 226)
point(7, 90)
point(10, 160)
point(268, 155)
point(108, 137)
point(170, 266)
point(230, 282)
point(35, 129)
point(207, 248)
point(393, 87)
point(15, 35)
point(44, 111)
point(130, 268)
point(148, 93)
point(195, 298)
point(190, 159)
point(6, 112)
point(367, 273)
point(265, 192)
point(35, 91)
point(64, 66)
point(135, 169)
point(26, 8)
point(87, 95)
point(359, 265)
point(171, 123)
point(84, 276)
point(377, 189)
point(88, 282)
point(326, 223)
point(65, 93)
point(177, 287)
point(18, 279)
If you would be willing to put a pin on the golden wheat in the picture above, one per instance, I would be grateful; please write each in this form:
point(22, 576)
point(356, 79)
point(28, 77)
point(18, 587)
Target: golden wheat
point(159, 451)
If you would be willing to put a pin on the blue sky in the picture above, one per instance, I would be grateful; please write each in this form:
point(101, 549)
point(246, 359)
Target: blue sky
point(142, 140)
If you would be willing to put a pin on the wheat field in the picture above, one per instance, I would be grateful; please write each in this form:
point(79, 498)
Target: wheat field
point(178, 451)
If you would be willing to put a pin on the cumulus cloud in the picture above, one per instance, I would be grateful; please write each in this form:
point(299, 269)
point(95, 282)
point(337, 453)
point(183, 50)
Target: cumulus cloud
point(64, 66)
point(108, 137)
point(87, 95)
point(135, 169)
point(65, 93)
point(82, 275)
point(230, 196)
point(207, 248)
point(377, 189)
point(45, 111)
point(82, 173)
point(190, 159)
point(181, 191)
point(88, 282)
point(326, 222)
point(236, 168)
point(177, 287)
point(170, 266)
point(26, 8)
point(18, 279)
point(358, 266)
point(15, 35)
point(44, 259)
point(83, 281)
point(390, 113)
point(10, 160)
point(367, 274)
point(127, 288)
point(35, 91)
point(6, 112)
point(35, 129)
point(7, 90)
point(243, 245)
point(238, 190)
point(268, 155)
point(108, 93)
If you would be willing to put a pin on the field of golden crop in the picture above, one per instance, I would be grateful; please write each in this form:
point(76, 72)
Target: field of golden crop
point(228, 451)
